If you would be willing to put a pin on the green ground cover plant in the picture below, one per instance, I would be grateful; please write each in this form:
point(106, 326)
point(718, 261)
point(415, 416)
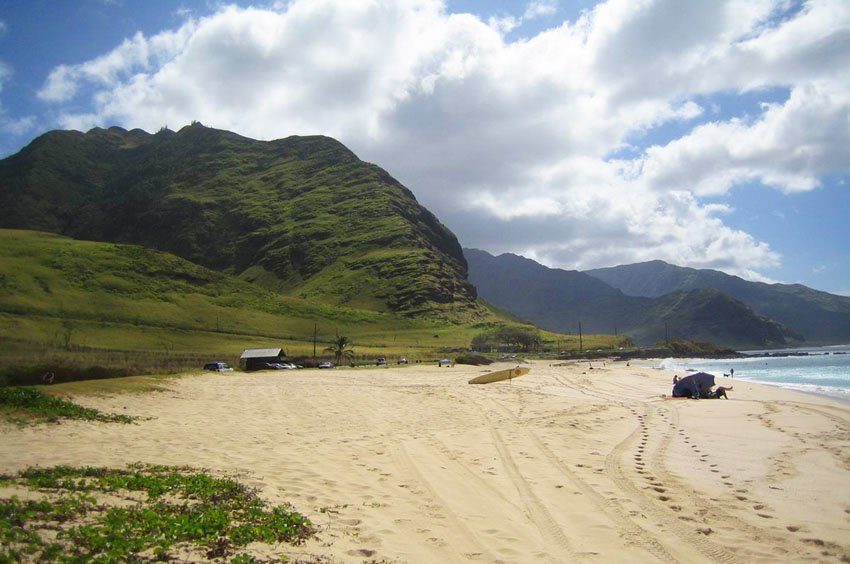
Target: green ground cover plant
point(21, 404)
point(74, 514)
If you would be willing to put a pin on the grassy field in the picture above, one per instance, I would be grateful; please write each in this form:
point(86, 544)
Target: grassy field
point(73, 306)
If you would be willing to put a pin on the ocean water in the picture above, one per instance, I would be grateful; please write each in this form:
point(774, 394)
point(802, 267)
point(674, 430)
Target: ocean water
point(824, 370)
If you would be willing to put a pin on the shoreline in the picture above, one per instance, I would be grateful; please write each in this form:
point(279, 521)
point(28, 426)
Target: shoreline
point(840, 393)
point(566, 463)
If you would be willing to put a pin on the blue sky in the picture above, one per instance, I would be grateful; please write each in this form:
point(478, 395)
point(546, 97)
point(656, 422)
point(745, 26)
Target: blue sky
point(580, 134)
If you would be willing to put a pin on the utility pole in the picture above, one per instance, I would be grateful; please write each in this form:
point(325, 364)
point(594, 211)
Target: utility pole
point(580, 347)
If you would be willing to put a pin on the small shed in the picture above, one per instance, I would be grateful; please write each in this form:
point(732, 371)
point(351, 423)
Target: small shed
point(258, 359)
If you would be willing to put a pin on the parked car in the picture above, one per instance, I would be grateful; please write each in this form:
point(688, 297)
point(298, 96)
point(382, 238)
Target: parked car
point(218, 367)
point(325, 365)
point(402, 360)
point(381, 362)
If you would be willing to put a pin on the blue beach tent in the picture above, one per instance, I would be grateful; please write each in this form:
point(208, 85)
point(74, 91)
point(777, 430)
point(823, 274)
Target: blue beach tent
point(694, 386)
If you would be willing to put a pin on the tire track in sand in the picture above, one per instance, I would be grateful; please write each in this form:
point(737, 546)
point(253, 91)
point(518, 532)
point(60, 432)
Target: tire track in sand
point(535, 508)
point(440, 510)
point(625, 526)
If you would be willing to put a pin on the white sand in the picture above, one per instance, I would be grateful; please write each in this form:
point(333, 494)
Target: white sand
point(564, 464)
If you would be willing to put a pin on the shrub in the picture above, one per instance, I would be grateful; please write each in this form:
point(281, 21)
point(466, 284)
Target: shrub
point(38, 403)
point(473, 359)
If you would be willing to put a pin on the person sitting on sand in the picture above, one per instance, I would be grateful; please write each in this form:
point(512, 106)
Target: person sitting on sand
point(720, 392)
point(675, 379)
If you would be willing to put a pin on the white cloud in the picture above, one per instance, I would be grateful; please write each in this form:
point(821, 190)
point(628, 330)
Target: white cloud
point(17, 126)
point(3, 28)
point(506, 23)
point(509, 142)
point(61, 85)
point(112, 70)
point(540, 8)
point(790, 147)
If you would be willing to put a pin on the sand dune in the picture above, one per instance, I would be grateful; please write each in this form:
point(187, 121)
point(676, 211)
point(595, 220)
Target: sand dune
point(564, 464)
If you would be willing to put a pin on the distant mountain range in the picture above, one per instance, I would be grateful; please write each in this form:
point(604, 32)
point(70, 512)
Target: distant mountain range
point(819, 316)
point(301, 216)
point(649, 301)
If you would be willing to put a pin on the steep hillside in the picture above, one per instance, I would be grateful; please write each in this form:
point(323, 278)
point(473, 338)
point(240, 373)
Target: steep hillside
point(820, 317)
point(707, 315)
point(47, 276)
point(301, 215)
point(132, 309)
point(558, 300)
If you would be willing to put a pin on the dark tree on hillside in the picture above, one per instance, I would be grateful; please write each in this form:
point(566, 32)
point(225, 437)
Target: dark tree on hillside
point(341, 349)
point(514, 338)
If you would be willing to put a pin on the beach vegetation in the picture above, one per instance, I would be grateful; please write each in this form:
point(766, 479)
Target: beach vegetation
point(139, 513)
point(33, 405)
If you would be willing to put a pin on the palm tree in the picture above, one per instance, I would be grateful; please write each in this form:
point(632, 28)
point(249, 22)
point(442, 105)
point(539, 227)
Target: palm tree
point(341, 348)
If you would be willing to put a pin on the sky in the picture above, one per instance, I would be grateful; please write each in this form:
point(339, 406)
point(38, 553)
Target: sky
point(577, 133)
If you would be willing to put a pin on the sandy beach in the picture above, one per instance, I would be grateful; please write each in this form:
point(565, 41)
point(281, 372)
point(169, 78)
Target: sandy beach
point(565, 464)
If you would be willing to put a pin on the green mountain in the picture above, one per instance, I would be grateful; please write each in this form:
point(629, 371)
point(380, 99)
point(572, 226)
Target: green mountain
point(90, 309)
point(301, 216)
point(820, 317)
point(708, 315)
point(558, 300)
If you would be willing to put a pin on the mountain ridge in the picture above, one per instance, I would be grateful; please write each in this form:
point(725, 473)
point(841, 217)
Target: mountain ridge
point(820, 316)
point(300, 215)
point(558, 300)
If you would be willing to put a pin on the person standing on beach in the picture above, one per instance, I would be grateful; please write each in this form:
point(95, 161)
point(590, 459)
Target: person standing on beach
point(731, 372)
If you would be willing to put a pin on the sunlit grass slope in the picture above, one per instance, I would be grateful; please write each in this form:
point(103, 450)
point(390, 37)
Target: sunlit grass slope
point(90, 303)
point(301, 215)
